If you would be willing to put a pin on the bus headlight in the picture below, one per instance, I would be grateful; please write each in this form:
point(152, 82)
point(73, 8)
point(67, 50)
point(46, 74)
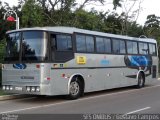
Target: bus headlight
point(33, 89)
point(7, 87)
point(38, 89)
point(4, 88)
point(11, 88)
point(28, 89)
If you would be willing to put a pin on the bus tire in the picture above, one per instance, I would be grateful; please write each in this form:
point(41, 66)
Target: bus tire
point(141, 80)
point(75, 89)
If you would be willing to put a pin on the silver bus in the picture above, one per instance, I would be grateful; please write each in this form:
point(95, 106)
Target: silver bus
point(71, 61)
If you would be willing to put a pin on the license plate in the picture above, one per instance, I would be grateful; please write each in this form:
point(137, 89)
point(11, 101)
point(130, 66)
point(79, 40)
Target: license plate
point(18, 88)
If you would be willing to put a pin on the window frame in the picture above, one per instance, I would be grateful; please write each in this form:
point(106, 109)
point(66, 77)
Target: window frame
point(111, 42)
point(105, 52)
point(52, 57)
point(139, 47)
point(119, 39)
point(75, 44)
point(155, 49)
point(132, 45)
point(65, 35)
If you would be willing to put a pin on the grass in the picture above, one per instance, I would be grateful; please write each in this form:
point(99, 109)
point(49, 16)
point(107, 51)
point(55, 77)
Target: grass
point(1, 92)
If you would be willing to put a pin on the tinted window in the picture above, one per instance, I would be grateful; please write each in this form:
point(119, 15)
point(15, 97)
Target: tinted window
point(116, 46)
point(100, 45)
point(143, 48)
point(122, 47)
point(84, 43)
point(132, 47)
point(107, 43)
point(152, 49)
point(135, 48)
point(103, 45)
point(129, 47)
point(119, 46)
point(80, 43)
point(13, 46)
point(34, 45)
point(64, 42)
point(90, 44)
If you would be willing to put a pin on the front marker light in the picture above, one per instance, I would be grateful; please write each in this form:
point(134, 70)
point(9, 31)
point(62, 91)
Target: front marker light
point(28, 89)
point(4, 87)
point(7, 88)
point(33, 89)
point(11, 88)
point(38, 89)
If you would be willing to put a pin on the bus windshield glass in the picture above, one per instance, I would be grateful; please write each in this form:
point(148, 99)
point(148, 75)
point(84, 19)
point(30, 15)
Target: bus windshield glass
point(26, 46)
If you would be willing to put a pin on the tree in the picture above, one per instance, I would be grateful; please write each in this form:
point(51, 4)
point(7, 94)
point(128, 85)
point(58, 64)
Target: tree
point(134, 29)
point(32, 14)
point(152, 27)
point(87, 20)
point(112, 24)
point(129, 13)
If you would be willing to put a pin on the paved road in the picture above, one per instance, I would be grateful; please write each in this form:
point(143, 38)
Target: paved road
point(118, 101)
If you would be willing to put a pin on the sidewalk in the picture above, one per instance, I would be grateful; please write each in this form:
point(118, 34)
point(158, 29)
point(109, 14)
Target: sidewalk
point(4, 96)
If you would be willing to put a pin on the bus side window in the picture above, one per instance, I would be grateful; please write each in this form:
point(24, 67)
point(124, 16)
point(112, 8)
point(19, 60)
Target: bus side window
point(132, 47)
point(103, 45)
point(119, 46)
point(107, 43)
point(61, 48)
point(64, 42)
point(89, 44)
point(143, 48)
point(84, 43)
point(152, 49)
point(100, 46)
point(81, 43)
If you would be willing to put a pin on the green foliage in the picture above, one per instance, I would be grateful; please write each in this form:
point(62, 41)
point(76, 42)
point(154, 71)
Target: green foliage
point(135, 30)
point(2, 50)
point(152, 27)
point(112, 24)
point(32, 14)
point(87, 20)
point(0, 77)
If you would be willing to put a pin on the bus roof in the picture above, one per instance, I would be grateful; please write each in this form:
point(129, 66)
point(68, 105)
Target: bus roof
point(71, 30)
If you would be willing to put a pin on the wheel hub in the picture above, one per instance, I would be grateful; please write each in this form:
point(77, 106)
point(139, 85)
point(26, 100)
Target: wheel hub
point(74, 88)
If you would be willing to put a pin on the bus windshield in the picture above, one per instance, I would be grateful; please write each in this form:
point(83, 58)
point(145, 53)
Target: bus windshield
point(26, 46)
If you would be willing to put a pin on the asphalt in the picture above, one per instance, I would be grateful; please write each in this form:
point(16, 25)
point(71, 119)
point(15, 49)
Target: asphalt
point(117, 101)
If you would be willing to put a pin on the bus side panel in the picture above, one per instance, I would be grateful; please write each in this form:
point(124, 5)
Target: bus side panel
point(100, 72)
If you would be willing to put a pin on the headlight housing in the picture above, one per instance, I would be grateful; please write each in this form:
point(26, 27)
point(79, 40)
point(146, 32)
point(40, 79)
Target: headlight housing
point(4, 88)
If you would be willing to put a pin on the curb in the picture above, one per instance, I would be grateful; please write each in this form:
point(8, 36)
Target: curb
point(10, 97)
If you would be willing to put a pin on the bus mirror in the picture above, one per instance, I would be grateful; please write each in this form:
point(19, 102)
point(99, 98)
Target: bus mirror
point(145, 50)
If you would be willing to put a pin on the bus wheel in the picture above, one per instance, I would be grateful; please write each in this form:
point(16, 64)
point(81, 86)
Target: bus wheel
point(75, 89)
point(141, 81)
